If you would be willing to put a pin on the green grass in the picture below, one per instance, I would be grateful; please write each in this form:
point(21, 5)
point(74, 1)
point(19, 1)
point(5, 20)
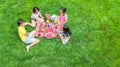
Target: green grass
point(95, 40)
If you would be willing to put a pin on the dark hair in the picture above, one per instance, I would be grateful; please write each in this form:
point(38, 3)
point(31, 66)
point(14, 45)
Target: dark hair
point(66, 29)
point(20, 21)
point(35, 8)
point(63, 9)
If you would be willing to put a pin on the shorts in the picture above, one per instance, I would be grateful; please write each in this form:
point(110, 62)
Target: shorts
point(29, 39)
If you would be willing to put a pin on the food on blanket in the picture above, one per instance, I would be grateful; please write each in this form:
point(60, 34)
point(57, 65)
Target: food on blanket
point(43, 28)
point(55, 18)
point(48, 31)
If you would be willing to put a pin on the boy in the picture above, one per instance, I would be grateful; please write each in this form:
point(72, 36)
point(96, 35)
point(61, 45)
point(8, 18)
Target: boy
point(27, 38)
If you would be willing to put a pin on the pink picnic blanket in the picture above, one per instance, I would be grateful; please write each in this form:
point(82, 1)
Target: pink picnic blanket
point(50, 32)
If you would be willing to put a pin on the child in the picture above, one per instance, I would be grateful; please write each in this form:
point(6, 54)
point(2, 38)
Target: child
point(62, 19)
point(63, 15)
point(27, 38)
point(65, 34)
point(35, 16)
point(47, 16)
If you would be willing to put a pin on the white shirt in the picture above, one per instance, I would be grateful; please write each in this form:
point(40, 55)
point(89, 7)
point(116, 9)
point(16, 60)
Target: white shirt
point(35, 16)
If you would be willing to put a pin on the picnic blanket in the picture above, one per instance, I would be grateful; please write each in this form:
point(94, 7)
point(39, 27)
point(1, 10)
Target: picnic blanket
point(49, 32)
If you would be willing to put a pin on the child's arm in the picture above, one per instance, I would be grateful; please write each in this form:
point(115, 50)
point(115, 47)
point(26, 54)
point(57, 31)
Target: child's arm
point(27, 23)
point(26, 34)
point(41, 15)
point(57, 22)
point(66, 18)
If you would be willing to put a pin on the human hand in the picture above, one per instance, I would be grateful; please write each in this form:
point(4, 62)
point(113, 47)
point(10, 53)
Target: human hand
point(26, 23)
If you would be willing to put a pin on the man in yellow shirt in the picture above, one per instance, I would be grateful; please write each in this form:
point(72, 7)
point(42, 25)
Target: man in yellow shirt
point(27, 38)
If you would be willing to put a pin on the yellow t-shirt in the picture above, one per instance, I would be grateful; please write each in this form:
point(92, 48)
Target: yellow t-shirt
point(22, 33)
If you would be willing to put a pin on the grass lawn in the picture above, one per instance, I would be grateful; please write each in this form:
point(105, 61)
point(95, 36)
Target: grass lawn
point(95, 40)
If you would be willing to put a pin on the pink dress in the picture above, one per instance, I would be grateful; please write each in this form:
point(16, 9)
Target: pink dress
point(62, 20)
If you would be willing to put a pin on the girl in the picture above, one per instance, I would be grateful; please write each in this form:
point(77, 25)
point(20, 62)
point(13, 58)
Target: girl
point(47, 16)
point(35, 16)
point(62, 18)
point(63, 15)
point(65, 34)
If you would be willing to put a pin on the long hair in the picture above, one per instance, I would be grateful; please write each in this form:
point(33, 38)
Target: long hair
point(35, 8)
point(66, 29)
point(63, 10)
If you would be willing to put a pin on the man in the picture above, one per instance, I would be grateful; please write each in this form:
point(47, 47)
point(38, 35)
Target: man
point(27, 38)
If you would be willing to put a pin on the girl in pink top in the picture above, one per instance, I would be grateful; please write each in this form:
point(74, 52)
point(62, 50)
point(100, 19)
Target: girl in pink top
point(62, 18)
point(63, 15)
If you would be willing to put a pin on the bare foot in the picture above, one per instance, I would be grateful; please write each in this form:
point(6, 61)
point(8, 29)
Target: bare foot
point(27, 47)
